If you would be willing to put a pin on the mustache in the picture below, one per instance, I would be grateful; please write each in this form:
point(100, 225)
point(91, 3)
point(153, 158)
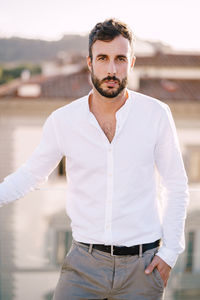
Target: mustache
point(111, 78)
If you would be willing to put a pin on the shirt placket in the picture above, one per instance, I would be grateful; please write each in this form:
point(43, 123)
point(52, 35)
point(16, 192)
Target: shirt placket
point(109, 195)
point(120, 119)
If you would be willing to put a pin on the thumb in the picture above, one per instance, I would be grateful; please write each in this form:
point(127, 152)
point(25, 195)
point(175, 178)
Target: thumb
point(151, 267)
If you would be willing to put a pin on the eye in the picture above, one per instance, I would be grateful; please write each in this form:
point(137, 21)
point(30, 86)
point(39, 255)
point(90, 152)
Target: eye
point(121, 58)
point(102, 58)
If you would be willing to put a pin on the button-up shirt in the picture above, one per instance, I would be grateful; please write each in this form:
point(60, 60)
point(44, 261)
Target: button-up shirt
point(112, 194)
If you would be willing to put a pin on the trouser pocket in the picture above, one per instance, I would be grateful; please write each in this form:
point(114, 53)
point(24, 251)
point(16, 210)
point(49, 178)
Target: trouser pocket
point(154, 278)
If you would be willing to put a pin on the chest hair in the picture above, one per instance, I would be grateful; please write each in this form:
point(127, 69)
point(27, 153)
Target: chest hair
point(108, 127)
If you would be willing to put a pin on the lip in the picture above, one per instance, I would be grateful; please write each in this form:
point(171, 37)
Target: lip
point(111, 83)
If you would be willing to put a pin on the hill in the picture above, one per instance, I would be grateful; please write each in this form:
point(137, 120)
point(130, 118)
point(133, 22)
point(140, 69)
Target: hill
point(32, 50)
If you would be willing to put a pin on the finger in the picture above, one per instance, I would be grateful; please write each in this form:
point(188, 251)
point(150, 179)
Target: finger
point(152, 266)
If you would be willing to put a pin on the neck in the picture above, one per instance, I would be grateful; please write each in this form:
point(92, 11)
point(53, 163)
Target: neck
point(106, 105)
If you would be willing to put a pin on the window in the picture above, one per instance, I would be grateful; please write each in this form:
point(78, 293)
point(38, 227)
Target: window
point(58, 238)
point(63, 244)
point(190, 252)
point(192, 163)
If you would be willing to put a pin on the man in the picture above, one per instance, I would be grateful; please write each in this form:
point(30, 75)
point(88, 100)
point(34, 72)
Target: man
point(124, 245)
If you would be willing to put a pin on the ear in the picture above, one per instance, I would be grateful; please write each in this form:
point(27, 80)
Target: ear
point(89, 63)
point(133, 61)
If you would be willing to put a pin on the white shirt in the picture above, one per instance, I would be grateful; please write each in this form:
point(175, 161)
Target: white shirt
point(111, 187)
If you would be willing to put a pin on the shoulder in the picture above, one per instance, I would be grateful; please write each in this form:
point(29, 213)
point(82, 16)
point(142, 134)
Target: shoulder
point(72, 109)
point(145, 102)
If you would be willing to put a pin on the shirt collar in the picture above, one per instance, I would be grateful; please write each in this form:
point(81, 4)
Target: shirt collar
point(121, 114)
point(123, 109)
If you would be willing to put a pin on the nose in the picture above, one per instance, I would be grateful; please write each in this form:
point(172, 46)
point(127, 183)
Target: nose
point(111, 68)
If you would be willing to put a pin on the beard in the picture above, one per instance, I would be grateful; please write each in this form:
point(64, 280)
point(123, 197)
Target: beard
point(109, 93)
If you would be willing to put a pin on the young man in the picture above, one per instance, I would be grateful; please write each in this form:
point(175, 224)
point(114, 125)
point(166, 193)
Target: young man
point(124, 247)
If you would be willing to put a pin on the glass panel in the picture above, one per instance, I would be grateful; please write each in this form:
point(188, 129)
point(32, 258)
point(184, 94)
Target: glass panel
point(190, 252)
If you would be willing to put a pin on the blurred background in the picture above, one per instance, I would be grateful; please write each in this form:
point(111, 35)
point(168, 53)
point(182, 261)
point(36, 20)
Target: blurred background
point(43, 46)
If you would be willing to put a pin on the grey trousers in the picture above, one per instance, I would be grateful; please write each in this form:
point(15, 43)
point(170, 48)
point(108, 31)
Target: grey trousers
point(98, 275)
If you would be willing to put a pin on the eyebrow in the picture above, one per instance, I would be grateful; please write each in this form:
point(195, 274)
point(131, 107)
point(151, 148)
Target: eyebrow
point(101, 55)
point(105, 55)
point(121, 55)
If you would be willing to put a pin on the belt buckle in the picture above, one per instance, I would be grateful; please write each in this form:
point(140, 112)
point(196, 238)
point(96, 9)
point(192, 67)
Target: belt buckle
point(111, 250)
point(140, 250)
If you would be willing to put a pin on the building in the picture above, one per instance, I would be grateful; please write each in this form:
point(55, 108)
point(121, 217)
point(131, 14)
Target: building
point(33, 255)
point(34, 231)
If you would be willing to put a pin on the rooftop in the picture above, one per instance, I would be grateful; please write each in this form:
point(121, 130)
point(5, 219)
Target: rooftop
point(171, 89)
point(168, 60)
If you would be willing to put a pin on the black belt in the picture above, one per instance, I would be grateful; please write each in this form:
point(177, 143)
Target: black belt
point(117, 250)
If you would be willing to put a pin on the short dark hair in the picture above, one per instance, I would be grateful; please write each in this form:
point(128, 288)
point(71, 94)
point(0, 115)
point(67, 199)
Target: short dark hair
point(108, 30)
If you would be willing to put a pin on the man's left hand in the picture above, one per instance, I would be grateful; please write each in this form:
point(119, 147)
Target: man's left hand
point(163, 268)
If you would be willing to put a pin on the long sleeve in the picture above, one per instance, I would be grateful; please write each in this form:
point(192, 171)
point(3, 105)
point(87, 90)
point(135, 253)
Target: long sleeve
point(36, 170)
point(174, 180)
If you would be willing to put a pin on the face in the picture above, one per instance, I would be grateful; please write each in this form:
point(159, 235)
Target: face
point(110, 66)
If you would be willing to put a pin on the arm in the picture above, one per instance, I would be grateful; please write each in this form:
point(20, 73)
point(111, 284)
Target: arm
point(37, 169)
point(174, 181)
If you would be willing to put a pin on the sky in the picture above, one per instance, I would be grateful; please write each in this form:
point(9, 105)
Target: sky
point(173, 22)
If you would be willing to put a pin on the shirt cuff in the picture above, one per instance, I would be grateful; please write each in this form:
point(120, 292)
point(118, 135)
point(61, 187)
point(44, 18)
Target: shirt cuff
point(168, 255)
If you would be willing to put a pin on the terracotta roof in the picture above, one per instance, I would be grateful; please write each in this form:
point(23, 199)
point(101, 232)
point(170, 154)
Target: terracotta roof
point(66, 86)
point(59, 86)
point(9, 88)
point(169, 60)
point(77, 84)
point(174, 89)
